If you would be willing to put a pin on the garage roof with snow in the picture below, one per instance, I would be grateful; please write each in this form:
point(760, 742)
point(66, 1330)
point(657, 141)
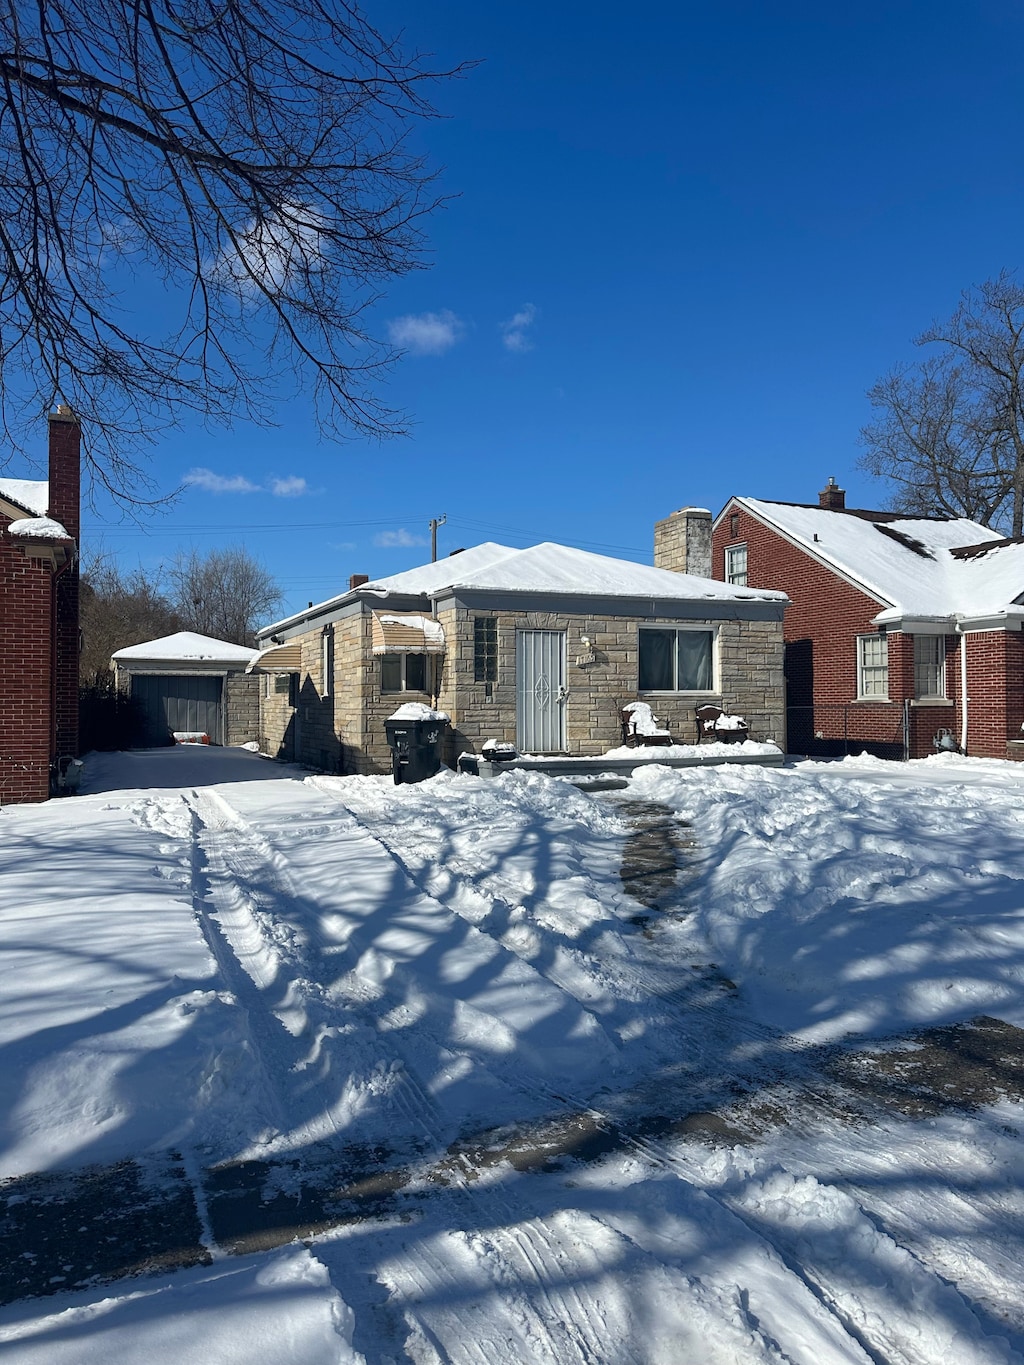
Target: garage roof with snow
point(185, 647)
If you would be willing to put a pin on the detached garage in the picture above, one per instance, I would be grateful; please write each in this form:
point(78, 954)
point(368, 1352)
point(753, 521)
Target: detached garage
point(191, 684)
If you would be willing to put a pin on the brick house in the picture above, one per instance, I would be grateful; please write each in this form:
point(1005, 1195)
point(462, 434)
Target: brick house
point(39, 531)
point(894, 620)
point(539, 647)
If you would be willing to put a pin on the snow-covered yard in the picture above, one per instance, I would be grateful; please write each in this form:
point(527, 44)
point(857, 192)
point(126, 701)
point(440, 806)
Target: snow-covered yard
point(304, 1069)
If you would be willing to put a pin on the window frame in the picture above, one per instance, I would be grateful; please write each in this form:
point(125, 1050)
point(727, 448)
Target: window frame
point(731, 577)
point(424, 691)
point(713, 691)
point(863, 667)
point(938, 664)
point(327, 663)
point(485, 649)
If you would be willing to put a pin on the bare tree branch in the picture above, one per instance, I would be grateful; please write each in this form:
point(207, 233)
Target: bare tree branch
point(252, 156)
point(226, 594)
point(949, 435)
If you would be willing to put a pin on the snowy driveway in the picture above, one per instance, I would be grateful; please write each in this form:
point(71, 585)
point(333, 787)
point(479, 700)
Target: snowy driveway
point(510, 1115)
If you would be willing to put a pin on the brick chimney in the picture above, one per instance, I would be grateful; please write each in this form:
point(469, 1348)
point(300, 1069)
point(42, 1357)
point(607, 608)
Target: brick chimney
point(832, 497)
point(682, 542)
point(357, 580)
point(65, 471)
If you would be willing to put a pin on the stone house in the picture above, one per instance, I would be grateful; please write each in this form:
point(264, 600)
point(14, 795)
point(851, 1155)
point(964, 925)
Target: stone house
point(39, 531)
point(904, 632)
point(539, 647)
point(193, 683)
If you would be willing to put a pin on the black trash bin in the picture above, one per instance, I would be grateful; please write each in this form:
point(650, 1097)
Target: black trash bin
point(415, 747)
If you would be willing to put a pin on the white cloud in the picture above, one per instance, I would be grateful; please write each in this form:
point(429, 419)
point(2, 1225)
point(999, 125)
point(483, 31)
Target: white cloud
point(514, 331)
point(393, 540)
point(291, 487)
point(426, 333)
point(210, 482)
point(268, 253)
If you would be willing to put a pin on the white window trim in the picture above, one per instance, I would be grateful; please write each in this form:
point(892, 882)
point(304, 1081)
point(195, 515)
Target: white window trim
point(940, 695)
point(861, 694)
point(715, 690)
point(327, 663)
point(730, 550)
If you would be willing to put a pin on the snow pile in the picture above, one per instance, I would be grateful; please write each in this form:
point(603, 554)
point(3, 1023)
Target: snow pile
point(418, 710)
point(278, 1310)
point(642, 720)
point(850, 905)
point(695, 752)
point(38, 528)
point(433, 632)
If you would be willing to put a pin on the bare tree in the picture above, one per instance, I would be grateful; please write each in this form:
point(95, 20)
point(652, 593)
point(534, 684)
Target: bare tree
point(225, 593)
point(118, 609)
point(250, 157)
point(950, 431)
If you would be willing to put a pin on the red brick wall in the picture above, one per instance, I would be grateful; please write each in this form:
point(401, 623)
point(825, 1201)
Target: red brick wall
point(65, 498)
point(25, 674)
point(821, 657)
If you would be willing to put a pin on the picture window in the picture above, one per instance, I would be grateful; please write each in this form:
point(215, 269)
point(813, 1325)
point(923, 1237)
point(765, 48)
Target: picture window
point(676, 660)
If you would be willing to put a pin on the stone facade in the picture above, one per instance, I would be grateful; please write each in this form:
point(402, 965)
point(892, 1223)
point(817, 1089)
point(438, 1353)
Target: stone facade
point(342, 729)
point(241, 702)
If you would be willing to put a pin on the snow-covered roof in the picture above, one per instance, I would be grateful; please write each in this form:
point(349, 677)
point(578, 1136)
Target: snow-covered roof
point(38, 528)
point(32, 494)
point(547, 568)
point(907, 563)
point(185, 646)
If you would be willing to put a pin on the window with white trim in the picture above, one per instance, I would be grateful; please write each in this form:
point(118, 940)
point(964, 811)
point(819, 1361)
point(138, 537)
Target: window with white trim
point(676, 660)
point(930, 666)
point(327, 663)
point(873, 667)
point(736, 565)
point(403, 673)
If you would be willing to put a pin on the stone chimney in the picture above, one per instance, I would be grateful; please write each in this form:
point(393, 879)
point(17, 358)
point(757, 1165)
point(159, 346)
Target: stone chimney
point(682, 542)
point(357, 580)
point(65, 470)
point(832, 497)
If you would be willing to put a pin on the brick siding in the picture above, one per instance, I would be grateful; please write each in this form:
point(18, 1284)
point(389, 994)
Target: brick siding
point(821, 629)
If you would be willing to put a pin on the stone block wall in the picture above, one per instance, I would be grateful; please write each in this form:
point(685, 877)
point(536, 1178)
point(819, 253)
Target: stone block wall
point(241, 702)
point(750, 665)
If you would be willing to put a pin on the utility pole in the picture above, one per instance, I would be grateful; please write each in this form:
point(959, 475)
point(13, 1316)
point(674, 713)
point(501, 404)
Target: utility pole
point(435, 522)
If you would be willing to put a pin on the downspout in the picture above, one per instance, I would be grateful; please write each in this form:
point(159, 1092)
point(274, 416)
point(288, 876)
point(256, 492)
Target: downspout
point(435, 670)
point(963, 687)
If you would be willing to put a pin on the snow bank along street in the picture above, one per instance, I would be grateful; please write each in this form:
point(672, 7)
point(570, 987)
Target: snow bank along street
point(302, 1069)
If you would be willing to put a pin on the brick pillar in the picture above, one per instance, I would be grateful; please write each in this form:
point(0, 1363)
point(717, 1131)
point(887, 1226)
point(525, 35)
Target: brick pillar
point(65, 507)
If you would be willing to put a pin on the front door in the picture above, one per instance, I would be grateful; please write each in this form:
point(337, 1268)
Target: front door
point(540, 691)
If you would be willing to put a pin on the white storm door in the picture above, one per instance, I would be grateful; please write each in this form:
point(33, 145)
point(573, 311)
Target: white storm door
point(540, 691)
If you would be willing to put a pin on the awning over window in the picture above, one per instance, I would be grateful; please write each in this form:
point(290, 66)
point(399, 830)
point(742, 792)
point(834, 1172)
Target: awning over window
point(405, 633)
point(278, 659)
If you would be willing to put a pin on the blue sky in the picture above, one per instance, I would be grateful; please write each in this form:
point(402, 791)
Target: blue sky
point(686, 240)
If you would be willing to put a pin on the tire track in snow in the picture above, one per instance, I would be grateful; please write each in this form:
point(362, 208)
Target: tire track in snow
point(234, 849)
